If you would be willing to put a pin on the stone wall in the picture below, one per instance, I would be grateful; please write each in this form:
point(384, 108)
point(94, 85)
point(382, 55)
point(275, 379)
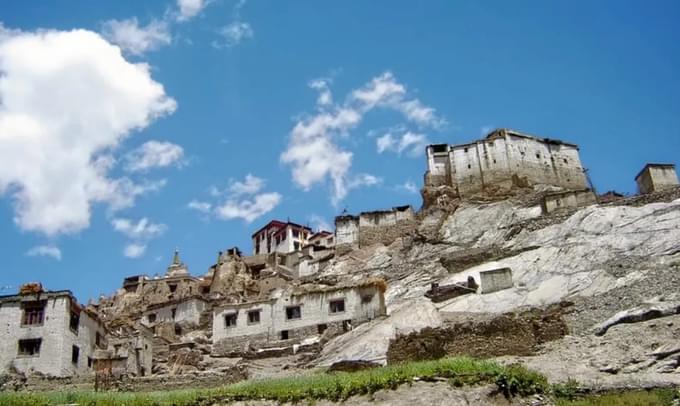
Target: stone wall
point(495, 280)
point(656, 177)
point(381, 226)
point(507, 334)
point(567, 199)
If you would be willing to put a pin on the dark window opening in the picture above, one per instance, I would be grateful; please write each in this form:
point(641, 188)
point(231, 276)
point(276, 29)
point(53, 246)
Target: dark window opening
point(174, 313)
point(346, 325)
point(230, 320)
point(34, 313)
point(151, 317)
point(254, 317)
point(178, 330)
point(337, 306)
point(465, 150)
point(538, 156)
point(89, 362)
point(469, 167)
point(74, 321)
point(205, 290)
point(494, 161)
point(366, 299)
point(30, 347)
point(321, 328)
point(284, 334)
point(296, 246)
point(439, 148)
point(293, 312)
point(98, 339)
point(296, 233)
point(75, 353)
point(565, 160)
point(172, 287)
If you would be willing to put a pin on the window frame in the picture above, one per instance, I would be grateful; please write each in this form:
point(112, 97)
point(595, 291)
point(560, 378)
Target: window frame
point(25, 354)
point(257, 312)
point(337, 301)
point(229, 316)
point(289, 312)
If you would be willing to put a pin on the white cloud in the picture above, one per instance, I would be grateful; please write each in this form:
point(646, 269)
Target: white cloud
point(251, 185)
point(243, 200)
point(313, 150)
point(69, 98)
point(45, 251)
point(408, 186)
point(134, 250)
point(248, 209)
point(233, 34)
point(410, 143)
point(203, 207)
point(189, 9)
point(154, 154)
point(319, 223)
point(133, 38)
point(142, 230)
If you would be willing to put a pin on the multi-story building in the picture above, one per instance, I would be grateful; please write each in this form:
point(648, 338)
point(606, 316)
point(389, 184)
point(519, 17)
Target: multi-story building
point(48, 333)
point(280, 237)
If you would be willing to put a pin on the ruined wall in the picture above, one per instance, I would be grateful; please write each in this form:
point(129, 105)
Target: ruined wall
point(346, 233)
point(495, 280)
point(657, 178)
point(567, 200)
point(501, 162)
point(382, 226)
point(508, 334)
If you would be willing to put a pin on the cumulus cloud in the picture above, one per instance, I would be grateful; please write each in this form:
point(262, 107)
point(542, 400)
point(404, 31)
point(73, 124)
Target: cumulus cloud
point(45, 251)
point(233, 34)
point(69, 98)
point(134, 250)
point(142, 230)
point(240, 200)
point(248, 209)
point(135, 39)
point(314, 152)
point(138, 233)
point(189, 9)
point(410, 143)
point(408, 186)
point(154, 154)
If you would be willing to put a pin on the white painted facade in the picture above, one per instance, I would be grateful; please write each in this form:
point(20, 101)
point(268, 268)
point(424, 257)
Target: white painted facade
point(280, 237)
point(503, 158)
point(360, 303)
point(55, 355)
point(187, 312)
point(656, 177)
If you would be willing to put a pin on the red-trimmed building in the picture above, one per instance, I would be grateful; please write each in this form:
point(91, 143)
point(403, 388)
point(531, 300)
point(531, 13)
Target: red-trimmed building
point(282, 237)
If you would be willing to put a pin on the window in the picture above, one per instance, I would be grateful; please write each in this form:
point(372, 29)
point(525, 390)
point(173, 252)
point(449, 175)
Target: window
point(296, 245)
point(293, 312)
point(151, 317)
point(284, 334)
point(74, 321)
point(89, 362)
point(365, 299)
point(174, 312)
point(34, 313)
point(469, 167)
point(465, 150)
point(565, 160)
point(30, 347)
point(346, 325)
point(538, 156)
point(172, 287)
point(178, 330)
point(254, 316)
point(75, 353)
point(98, 339)
point(321, 328)
point(337, 306)
point(296, 233)
point(230, 320)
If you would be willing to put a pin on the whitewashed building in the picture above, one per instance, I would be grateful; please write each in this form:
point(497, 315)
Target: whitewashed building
point(505, 158)
point(656, 177)
point(288, 317)
point(48, 333)
point(280, 237)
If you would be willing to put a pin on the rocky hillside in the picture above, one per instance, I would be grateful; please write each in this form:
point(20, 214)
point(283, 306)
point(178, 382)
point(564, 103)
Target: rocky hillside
point(592, 263)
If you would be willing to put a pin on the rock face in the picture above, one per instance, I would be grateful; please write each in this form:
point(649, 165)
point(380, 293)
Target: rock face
point(601, 259)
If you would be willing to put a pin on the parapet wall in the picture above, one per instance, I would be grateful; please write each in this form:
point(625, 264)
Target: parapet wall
point(382, 226)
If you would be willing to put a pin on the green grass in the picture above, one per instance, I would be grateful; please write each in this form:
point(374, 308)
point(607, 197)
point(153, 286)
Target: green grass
point(460, 371)
point(657, 397)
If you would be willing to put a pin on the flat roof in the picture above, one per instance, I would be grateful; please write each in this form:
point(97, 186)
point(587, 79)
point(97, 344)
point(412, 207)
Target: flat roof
point(654, 165)
point(502, 131)
point(279, 224)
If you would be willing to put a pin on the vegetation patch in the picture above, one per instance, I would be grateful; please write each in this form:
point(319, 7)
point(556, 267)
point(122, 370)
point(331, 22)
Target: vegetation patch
point(512, 380)
point(656, 397)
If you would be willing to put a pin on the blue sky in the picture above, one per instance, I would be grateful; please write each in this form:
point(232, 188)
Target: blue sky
point(212, 120)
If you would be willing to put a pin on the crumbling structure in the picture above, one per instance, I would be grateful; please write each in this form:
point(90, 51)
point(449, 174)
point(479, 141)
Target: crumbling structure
point(504, 160)
point(380, 226)
point(656, 177)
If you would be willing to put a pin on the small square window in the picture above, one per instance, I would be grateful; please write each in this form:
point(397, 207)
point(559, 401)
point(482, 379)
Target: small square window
point(151, 317)
point(30, 347)
point(284, 334)
point(34, 313)
point(172, 287)
point(320, 328)
point(538, 156)
point(230, 320)
point(565, 160)
point(465, 150)
point(365, 299)
point(254, 316)
point(337, 306)
point(293, 312)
